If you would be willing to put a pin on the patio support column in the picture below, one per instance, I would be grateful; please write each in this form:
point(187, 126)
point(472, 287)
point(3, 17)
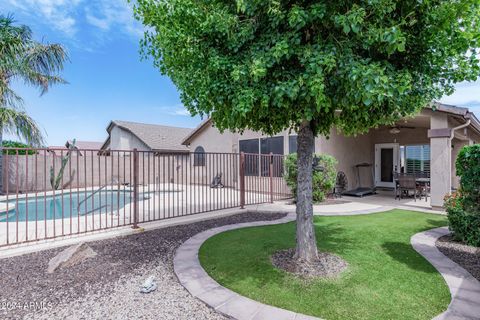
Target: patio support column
point(440, 159)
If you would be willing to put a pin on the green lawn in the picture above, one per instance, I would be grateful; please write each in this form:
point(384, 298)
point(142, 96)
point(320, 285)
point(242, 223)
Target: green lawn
point(386, 278)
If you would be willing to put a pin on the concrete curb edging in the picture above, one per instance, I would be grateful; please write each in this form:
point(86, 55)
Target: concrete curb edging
point(464, 288)
point(194, 278)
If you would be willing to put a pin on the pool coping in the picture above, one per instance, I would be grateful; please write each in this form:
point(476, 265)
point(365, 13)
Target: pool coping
point(464, 288)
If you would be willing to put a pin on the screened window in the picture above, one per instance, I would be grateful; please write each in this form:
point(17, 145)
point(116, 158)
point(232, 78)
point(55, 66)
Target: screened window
point(272, 145)
point(199, 157)
point(250, 147)
point(292, 144)
point(417, 159)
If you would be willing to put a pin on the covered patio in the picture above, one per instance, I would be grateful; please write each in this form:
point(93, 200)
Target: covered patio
point(423, 146)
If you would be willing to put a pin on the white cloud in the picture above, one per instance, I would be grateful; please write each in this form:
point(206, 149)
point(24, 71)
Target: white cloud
point(181, 112)
point(174, 110)
point(467, 94)
point(106, 17)
point(113, 14)
point(60, 14)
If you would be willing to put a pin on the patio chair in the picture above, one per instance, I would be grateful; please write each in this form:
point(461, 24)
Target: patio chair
point(407, 183)
point(424, 187)
point(395, 181)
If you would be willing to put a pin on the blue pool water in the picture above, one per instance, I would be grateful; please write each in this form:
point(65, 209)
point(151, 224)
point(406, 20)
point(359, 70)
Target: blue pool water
point(104, 201)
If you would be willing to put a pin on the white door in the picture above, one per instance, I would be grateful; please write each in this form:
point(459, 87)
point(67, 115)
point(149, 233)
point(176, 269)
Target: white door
point(386, 162)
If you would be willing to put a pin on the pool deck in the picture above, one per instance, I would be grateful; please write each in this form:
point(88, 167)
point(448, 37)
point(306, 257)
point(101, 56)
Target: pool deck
point(164, 204)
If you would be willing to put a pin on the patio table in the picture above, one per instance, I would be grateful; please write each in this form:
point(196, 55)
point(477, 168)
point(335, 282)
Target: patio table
point(425, 182)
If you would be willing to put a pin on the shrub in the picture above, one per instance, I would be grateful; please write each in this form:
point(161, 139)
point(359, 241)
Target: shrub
point(465, 225)
point(468, 168)
point(463, 207)
point(16, 144)
point(324, 175)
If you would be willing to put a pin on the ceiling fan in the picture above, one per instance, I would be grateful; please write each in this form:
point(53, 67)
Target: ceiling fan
point(396, 129)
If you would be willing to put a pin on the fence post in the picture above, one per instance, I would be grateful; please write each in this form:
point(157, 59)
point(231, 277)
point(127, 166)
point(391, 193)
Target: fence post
point(135, 188)
point(270, 170)
point(242, 180)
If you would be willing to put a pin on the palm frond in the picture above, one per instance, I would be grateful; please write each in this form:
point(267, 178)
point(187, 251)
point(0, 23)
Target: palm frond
point(45, 58)
point(21, 124)
point(36, 79)
point(23, 58)
point(10, 98)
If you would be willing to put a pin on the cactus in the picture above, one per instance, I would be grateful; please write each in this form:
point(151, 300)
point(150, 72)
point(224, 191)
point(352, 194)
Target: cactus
point(55, 181)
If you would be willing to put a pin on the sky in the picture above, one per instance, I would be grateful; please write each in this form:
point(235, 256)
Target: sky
point(106, 78)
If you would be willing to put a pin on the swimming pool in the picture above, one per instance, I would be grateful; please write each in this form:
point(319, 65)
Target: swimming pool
point(50, 207)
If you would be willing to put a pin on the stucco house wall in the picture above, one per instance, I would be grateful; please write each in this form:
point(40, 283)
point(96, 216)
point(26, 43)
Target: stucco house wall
point(121, 139)
point(213, 141)
point(348, 151)
point(433, 126)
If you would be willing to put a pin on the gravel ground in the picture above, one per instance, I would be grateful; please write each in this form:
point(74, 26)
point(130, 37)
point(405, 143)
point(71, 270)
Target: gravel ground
point(466, 256)
point(107, 286)
point(327, 266)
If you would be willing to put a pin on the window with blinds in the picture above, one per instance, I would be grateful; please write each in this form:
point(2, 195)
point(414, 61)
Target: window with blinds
point(417, 159)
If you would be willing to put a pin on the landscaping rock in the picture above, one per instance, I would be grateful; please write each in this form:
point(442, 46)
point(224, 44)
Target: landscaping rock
point(107, 287)
point(70, 256)
point(149, 285)
point(468, 257)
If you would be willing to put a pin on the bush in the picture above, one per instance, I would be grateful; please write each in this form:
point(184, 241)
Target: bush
point(468, 168)
point(463, 207)
point(16, 144)
point(324, 175)
point(465, 225)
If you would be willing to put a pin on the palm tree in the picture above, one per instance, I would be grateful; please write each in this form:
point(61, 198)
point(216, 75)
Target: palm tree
point(36, 64)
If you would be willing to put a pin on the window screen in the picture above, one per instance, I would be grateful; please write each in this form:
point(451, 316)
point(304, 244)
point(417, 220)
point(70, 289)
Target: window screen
point(292, 144)
point(272, 145)
point(250, 147)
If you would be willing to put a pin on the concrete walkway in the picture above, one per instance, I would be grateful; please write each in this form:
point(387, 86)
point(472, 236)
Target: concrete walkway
point(464, 288)
point(342, 209)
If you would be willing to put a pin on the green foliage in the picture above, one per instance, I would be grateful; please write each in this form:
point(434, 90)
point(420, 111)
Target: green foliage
point(468, 168)
point(324, 175)
point(268, 65)
point(19, 123)
point(36, 64)
point(463, 207)
point(386, 278)
point(465, 226)
point(16, 144)
point(56, 180)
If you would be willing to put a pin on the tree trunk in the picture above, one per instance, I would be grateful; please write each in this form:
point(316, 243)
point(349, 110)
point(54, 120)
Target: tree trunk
point(306, 243)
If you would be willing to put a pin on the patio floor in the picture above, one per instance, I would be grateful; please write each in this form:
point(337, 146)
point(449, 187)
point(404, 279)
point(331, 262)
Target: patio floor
point(387, 198)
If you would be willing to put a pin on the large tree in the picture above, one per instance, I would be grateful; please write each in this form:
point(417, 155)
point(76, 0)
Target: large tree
point(270, 65)
point(35, 63)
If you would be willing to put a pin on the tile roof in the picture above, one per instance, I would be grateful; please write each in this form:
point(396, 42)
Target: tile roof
point(94, 145)
point(90, 145)
point(193, 133)
point(156, 137)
